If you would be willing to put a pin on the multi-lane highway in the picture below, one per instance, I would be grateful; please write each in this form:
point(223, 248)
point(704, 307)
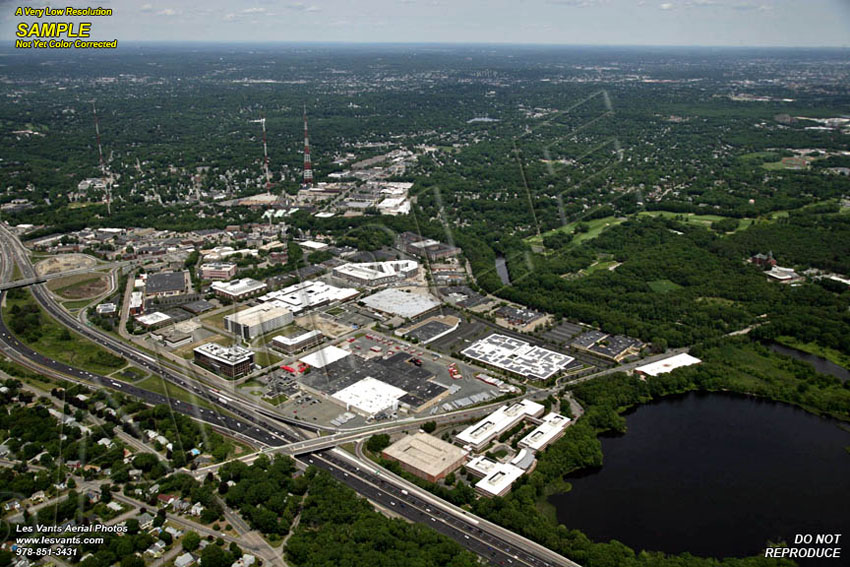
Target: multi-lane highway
point(497, 545)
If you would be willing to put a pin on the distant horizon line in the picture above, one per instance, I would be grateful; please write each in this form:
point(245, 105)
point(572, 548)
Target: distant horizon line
point(255, 43)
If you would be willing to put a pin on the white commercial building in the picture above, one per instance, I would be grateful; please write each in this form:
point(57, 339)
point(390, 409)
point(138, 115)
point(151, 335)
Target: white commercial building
point(297, 341)
point(309, 294)
point(369, 396)
point(313, 246)
point(371, 274)
point(667, 365)
point(477, 436)
point(154, 319)
point(550, 430)
point(325, 356)
point(394, 206)
point(496, 478)
point(401, 303)
point(517, 356)
point(238, 290)
point(258, 320)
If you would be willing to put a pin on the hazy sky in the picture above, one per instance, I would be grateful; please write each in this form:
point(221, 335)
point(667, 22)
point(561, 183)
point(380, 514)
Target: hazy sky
point(600, 22)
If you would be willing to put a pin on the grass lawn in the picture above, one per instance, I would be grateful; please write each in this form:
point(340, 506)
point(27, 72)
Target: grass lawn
point(217, 319)
point(774, 166)
point(265, 359)
point(598, 266)
point(75, 305)
point(704, 220)
point(277, 400)
point(758, 155)
point(42, 383)
point(663, 286)
point(157, 385)
point(21, 372)
point(57, 342)
point(596, 226)
point(130, 373)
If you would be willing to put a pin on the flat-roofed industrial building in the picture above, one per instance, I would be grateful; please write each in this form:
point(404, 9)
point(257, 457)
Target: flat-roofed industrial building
point(238, 290)
point(370, 397)
point(401, 303)
point(166, 284)
point(255, 321)
point(477, 436)
point(230, 361)
point(667, 365)
point(517, 356)
point(425, 456)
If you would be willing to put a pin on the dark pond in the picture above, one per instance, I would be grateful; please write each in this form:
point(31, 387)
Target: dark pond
point(716, 475)
point(821, 364)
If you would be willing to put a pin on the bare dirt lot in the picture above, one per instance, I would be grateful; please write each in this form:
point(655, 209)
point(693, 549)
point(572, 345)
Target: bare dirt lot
point(79, 286)
point(63, 263)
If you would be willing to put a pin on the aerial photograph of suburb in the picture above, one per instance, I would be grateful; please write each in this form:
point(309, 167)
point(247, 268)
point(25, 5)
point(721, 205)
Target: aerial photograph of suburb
point(425, 283)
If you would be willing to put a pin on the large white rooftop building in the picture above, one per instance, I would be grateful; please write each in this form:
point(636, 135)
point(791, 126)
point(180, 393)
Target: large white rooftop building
point(517, 356)
point(371, 274)
point(401, 303)
point(667, 365)
point(325, 356)
point(477, 436)
point(309, 294)
point(369, 396)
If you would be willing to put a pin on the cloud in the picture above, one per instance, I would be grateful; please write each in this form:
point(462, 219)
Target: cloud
point(737, 5)
point(576, 3)
point(146, 8)
point(168, 12)
point(254, 11)
point(301, 7)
